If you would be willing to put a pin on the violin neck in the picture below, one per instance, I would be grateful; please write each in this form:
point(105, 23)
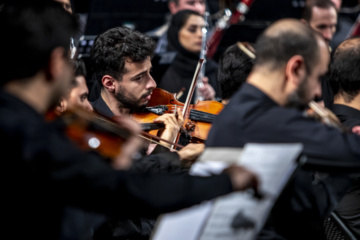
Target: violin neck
point(152, 126)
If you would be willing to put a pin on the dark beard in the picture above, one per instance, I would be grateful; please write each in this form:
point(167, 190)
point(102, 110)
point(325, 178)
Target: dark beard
point(130, 104)
point(297, 99)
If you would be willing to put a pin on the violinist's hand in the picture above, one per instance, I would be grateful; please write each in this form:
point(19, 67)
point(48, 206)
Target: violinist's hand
point(241, 178)
point(173, 123)
point(356, 129)
point(131, 145)
point(207, 90)
point(190, 153)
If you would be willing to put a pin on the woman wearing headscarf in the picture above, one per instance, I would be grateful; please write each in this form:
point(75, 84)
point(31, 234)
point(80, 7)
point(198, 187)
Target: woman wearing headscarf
point(185, 41)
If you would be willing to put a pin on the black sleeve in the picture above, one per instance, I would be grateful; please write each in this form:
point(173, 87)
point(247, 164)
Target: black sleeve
point(166, 162)
point(78, 177)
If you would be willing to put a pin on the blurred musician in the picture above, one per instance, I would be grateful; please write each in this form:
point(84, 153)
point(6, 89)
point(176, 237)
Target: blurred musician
point(290, 60)
point(77, 95)
point(344, 75)
point(234, 67)
point(174, 7)
point(185, 43)
point(321, 15)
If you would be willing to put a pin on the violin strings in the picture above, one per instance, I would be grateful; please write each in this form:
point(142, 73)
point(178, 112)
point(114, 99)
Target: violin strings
point(196, 114)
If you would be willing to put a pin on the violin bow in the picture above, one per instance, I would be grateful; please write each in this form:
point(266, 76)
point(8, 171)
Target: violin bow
point(190, 95)
point(246, 49)
point(328, 117)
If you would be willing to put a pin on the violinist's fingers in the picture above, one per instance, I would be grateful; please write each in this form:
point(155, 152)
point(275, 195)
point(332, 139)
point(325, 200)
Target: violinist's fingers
point(131, 145)
point(356, 129)
point(128, 150)
point(180, 117)
point(172, 127)
point(241, 178)
point(205, 80)
point(208, 92)
point(168, 119)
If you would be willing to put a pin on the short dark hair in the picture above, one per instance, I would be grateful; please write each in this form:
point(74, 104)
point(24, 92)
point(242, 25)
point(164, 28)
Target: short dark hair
point(344, 70)
point(234, 68)
point(115, 46)
point(31, 30)
point(275, 50)
point(79, 67)
point(310, 4)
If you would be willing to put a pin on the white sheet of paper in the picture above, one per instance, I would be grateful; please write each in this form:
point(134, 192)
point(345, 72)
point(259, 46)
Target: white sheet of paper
point(185, 224)
point(273, 163)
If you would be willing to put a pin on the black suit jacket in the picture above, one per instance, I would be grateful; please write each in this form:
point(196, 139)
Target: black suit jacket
point(252, 117)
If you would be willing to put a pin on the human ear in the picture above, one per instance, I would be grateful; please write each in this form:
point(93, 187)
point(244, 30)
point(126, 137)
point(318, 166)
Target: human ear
point(108, 82)
point(304, 21)
point(295, 72)
point(61, 106)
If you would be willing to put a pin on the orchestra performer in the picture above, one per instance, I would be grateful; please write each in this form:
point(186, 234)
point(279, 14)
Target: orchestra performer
point(268, 108)
point(344, 75)
point(184, 46)
point(234, 68)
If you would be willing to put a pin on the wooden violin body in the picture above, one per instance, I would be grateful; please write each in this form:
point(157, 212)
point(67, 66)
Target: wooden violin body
point(94, 132)
point(198, 120)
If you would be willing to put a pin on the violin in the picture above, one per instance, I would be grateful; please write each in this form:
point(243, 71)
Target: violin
point(198, 119)
point(92, 131)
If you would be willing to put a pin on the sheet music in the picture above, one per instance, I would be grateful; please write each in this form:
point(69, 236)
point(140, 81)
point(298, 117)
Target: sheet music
point(273, 164)
point(185, 224)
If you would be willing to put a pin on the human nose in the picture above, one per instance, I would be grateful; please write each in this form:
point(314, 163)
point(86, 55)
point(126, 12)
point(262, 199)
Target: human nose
point(88, 106)
point(151, 83)
point(328, 34)
point(199, 32)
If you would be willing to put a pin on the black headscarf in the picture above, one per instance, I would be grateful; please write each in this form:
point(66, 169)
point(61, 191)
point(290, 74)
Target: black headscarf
point(177, 22)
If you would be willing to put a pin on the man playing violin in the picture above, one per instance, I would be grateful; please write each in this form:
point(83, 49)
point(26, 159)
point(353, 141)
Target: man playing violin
point(121, 63)
point(268, 108)
point(44, 171)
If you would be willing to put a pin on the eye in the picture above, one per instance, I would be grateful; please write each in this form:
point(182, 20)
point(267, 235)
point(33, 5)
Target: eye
point(192, 29)
point(83, 97)
point(138, 78)
point(322, 27)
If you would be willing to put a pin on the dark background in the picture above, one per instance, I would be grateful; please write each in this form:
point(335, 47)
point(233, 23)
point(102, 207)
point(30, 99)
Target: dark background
point(146, 15)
